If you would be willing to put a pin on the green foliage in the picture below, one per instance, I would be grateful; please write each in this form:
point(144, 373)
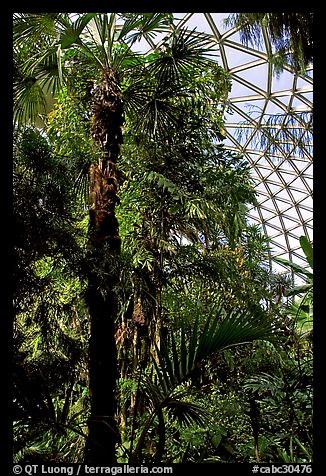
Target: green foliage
point(285, 389)
point(301, 309)
point(217, 334)
point(49, 325)
point(308, 251)
point(196, 327)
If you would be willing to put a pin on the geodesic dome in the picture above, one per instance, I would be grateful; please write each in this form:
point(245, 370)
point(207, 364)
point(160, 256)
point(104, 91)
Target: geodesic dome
point(269, 121)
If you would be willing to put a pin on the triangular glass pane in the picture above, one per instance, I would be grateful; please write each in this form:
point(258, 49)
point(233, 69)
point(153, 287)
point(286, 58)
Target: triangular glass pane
point(298, 196)
point(284, 99)
point(237, 57)
point(284, 195)
point(297, 183)
point(302, 83)
point(290, 224)
point(255, 108)
point(257, 75)
point(310, 73)
point(240, 90)
point(275, 221)
point(298, 105)
point(308, 182)
point(306, 202)
point(281, 242)
point(235, 37)
point(198, 22)
point(273, 108)
point(284, 206)
point(275, 176)
point(283, 82)
point(274, 188)
point(267, 214)
point(286, 176)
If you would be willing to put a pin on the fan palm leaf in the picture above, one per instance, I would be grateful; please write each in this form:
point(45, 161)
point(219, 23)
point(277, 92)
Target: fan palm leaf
point(236, 328)
point(36, 27)
point(181, 51)
point(144, 25)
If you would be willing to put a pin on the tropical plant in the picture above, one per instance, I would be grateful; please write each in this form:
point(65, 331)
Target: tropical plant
point(176, 365)
point(284, 392)
point(302, 309)
point(50, 325)
point(173, 278)
point(307, 249)
point(56, 42)
point(283, 397)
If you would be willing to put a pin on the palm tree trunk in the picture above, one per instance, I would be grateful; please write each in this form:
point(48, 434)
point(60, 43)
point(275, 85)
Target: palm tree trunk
point(104, 245)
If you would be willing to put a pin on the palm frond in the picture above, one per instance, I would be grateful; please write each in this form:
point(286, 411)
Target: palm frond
point(295, 267)
point(185, 412)
point(35, 27)
point(180, 52)
point(152, 392)
point(238, 327)
point(160, 112)
point(306, 247)
point(263, 383)
point(48, 73)
point(72, 31)
point(174, 402)
point(34, 80)
point(144, 25)
point(102, 30)
point(81, 185)
point(83, 34)
point(135, 94)
point(29, 100)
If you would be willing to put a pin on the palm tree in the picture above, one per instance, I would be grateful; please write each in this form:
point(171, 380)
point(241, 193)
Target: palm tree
point(45, 46)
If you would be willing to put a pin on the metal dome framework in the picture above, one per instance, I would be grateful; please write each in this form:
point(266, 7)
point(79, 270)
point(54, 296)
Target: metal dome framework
point(269, 122)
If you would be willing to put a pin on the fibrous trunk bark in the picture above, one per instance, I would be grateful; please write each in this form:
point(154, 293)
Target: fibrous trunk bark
point(104, 248)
